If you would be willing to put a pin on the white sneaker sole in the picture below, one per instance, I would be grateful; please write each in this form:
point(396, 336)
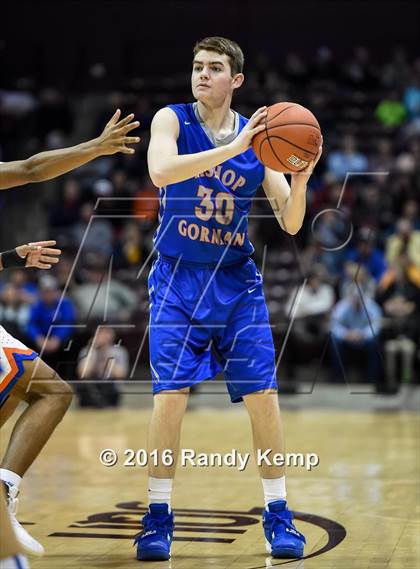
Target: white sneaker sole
point(28, 543)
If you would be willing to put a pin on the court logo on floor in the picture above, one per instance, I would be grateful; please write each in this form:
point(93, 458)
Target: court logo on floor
point(192, 525)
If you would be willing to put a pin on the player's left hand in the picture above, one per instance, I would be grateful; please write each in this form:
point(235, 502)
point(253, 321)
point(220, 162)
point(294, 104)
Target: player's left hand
point(39, 254)
point(300, 179)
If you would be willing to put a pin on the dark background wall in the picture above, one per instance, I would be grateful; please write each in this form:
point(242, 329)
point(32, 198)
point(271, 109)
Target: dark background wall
point(55, 41)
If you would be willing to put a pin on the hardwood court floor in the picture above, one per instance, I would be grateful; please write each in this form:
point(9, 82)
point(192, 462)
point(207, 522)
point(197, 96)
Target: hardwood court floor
point(363, 496)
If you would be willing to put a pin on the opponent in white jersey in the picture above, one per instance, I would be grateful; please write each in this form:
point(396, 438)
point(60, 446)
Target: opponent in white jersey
point(22, 372)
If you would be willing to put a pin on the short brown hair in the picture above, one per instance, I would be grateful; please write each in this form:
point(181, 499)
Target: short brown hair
point(223, 46)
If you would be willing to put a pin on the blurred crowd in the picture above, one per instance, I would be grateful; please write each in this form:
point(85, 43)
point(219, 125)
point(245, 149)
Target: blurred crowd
point(344, 292)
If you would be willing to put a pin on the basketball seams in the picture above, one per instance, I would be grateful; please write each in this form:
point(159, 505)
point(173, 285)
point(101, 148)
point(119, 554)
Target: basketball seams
point(282, 111)
point(288, 167)
point(295, 124)
point(293, 144)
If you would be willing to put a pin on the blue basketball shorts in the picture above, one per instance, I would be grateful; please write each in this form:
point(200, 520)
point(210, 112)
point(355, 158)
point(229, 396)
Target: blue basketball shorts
point(204, 321)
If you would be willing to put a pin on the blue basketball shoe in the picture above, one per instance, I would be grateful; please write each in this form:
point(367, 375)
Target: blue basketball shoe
point(282, 538)
point(154, 542)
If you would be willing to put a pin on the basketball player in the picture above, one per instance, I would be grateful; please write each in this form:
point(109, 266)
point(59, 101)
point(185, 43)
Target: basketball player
point(208, 311)
point(22, 372)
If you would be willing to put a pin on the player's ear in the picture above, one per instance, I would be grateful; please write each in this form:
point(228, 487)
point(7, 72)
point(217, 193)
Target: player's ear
point(237, 80)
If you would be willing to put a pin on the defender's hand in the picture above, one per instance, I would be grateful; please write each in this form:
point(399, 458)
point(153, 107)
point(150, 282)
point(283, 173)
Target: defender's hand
point(114, 137)
point(39, 254)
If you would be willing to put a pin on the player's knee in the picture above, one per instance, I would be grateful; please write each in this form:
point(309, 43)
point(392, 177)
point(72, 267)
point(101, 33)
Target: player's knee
point(60, 395)
point(66, 394)
point(170, 402)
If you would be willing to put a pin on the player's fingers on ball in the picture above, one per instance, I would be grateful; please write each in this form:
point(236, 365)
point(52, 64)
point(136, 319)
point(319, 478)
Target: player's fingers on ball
point(260, 119)
point(261, 110)
point(258, 129)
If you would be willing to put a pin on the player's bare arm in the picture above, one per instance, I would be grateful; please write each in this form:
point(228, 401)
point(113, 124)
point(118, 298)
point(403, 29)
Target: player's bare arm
point(39, 255)
point(166, 166)
point(53, 163)
point(289, 201)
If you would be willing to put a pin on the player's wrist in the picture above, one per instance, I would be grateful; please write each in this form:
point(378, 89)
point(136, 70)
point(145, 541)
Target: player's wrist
point(235, 147)
point(298, 184)
point(11, 259)
point(94, 147)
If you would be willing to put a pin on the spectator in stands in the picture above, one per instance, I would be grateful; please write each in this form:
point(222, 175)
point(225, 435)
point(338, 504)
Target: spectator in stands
point(102, 297)
point(14, 312)
point(129, 251)
point(331, 230)
point(63, 270)
point(382, 158)
point(369, 205)
point(399, 297)
point(365, 253)
point(347, 159)
point(410, 211)
point(359, 72)
point(309, 306)
point(50, 321)
point(104, 362)
point(356, 274)
point(295, 69)
point(94, 233)
point(27, 290)
point(412, 98)
point(407, 162)
point(122, 185)
point(405, 241)
point(314, 299)
point(355, 327)
point(65, 213)
point(53, 113)
point(324, 66)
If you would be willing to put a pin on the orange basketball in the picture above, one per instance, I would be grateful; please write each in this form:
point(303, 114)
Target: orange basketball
point(291, 138)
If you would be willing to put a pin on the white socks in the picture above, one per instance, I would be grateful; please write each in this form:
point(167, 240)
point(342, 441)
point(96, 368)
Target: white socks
point(160, 490)
point(274, 489)
point(10, 477)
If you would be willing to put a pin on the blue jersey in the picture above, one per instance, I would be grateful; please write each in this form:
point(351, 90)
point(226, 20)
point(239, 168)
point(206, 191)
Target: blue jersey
point(204, 220)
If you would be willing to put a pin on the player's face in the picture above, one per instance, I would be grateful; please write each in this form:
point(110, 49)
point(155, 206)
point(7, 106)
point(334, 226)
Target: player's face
point(211, 78)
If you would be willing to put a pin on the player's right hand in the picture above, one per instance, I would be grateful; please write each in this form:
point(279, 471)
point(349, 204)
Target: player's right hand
point(114, 137)
point(255, 125)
